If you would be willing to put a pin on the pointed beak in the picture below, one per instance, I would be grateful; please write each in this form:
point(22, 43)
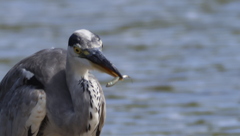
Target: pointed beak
point(100, 62)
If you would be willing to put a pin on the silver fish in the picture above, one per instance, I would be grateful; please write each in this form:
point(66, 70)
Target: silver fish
point(115, 80)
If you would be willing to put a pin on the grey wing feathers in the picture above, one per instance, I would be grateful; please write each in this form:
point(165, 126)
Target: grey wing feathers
point(22, 95)
point(16, 115)
point(18, 106)
point(42, 64)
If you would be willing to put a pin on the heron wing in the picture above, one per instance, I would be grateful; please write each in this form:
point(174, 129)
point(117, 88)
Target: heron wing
point(22, 94)
point(22, 106)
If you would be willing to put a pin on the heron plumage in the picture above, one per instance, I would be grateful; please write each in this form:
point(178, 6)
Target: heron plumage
point(52, 93)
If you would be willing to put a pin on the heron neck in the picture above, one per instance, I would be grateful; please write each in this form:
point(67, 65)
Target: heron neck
point(75, 71)
point(77, 79)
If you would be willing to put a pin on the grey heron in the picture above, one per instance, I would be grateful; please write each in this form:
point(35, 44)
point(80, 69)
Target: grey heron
point(52, 92)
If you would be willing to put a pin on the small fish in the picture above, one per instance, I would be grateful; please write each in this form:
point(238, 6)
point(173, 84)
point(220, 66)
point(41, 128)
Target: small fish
point(115, 80)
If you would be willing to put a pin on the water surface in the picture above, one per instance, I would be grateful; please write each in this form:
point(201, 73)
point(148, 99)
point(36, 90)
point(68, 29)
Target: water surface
point(183, 57)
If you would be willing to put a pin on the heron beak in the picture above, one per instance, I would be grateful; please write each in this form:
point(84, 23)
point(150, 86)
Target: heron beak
point(100, 62)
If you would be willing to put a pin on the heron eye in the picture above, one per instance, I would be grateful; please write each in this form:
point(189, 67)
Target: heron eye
point(77, 50)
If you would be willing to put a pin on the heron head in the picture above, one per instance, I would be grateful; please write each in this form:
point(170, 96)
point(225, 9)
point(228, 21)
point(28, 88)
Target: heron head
point(86, 48)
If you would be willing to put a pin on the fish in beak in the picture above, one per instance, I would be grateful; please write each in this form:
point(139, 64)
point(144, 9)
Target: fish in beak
point(101, 63)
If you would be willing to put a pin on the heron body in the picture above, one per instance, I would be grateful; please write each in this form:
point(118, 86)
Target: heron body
point(52, 92)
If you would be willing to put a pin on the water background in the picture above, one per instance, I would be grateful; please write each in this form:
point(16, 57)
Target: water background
point(183, 57)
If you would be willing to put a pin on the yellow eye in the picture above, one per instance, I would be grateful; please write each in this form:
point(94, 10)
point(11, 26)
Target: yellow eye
point(77, 50)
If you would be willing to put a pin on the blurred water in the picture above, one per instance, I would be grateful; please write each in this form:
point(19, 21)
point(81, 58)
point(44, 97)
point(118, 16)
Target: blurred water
point(183, 57)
